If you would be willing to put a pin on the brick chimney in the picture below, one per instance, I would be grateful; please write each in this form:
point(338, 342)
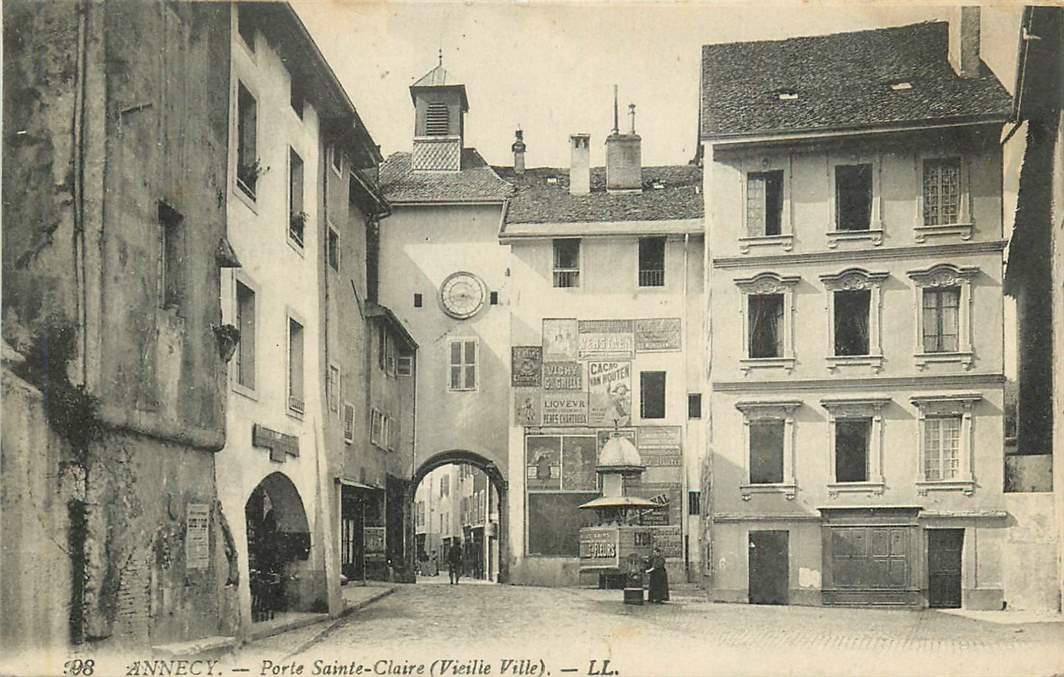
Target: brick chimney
point(580, 164)
point(964, 41)
point(518, 148)
point(624, 158)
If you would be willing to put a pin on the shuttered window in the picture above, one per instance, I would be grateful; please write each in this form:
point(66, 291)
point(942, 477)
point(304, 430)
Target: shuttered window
point(463, 365)
point(349, 422)
point(437, 119)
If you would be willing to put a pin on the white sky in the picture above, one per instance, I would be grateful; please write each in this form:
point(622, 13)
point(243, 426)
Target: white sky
point(551, 67)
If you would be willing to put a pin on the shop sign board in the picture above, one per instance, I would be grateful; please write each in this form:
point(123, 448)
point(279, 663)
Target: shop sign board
point(610, 390)
point(197, 535)
point(669, 540)
point(560, 339)
point(564, 408)
point(526, 408)
point(606, 339)
point(526, 366)
point(657, 335)
point(567, 375)
point(598, 548)
point(279, 444)
point(373, 539)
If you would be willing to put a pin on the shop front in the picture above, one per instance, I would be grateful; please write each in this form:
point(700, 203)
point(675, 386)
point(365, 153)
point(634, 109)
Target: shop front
point(871, 556)
point(362, 532)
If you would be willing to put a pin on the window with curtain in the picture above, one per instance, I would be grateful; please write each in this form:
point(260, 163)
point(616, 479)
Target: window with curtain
point(764, 203)
point(297, 218)
point(942, 191)
point(247, 161)
point(765, 325)
point(942, 443)
point(851, 321)
point(941, 319)
point(853, 197)
point(567, 263)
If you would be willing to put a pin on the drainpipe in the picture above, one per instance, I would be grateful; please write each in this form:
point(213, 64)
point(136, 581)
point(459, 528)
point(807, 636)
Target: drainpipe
point(685, 517)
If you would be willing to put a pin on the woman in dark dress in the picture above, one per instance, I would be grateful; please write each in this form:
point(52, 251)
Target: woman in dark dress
point(659, 578)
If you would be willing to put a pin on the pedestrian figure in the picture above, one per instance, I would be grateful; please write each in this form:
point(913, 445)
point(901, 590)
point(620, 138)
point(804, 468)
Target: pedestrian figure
point(454, 557)
point(659, 578)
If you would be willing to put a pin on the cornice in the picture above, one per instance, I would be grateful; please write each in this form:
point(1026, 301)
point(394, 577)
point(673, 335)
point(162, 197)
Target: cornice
point(762, 517)
point(910, 252)
point(869, 383)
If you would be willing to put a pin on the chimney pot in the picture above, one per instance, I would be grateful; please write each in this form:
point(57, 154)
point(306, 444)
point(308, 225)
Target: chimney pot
point(518, 148)
point(580, 164)
point(964, 41)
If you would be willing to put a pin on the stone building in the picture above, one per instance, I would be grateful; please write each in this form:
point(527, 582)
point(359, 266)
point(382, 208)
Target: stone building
point(1035, 272)
point(302, 206)
point(606, 327)
point(447, 283)
point(854, 233)
point(115, 350)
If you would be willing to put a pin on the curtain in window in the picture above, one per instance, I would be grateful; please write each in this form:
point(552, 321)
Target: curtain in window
point(942, 448)
point(766, 324)
point(941, 320)
point(755, 205)
point(851, 322)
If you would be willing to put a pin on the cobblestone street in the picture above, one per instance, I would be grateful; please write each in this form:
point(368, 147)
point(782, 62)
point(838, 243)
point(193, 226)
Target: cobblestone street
point(569, 628)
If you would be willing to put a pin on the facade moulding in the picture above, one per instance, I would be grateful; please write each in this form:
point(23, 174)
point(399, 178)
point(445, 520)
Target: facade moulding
point(870, 383)
point(148, 424)
point(724, 517)
point(900, 253)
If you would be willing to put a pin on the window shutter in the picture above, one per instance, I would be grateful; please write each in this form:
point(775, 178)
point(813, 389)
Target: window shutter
point(349, 422)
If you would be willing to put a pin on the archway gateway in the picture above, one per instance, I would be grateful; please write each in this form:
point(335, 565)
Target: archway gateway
point(498, 481)
point(278, 536)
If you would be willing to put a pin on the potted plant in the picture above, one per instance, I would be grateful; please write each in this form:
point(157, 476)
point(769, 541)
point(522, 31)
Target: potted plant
point(248, 173)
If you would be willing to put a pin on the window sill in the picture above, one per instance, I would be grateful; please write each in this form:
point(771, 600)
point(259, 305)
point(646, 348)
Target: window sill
point(788, 489)
point(966, 487)
point(873, 361)
point(246, 194)
point(871, 488)
point(964, 230)
point(748, 363)
point(298, 248)
point(784, 241)
point(461, 390)
point(873, 235)
point(245, 391)
point(966, 358)
point(349, 440)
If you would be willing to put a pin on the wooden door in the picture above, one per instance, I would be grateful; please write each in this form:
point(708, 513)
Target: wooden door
point(944, 547)
point(769, 567)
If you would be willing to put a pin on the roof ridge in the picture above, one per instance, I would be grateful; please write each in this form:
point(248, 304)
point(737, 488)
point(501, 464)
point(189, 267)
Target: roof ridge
point(818, 36)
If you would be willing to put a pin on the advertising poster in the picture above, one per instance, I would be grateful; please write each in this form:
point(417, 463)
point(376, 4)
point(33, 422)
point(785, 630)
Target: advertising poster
point(526, 408)
point(563, 376)
point(666, 495)
point(373, 540)
point(197, 536)
point(559, 339)
point(606, 339)
point(526, 366)
point(564, 408)
point(543, 462)
point(657, 336)
point(579, 457)
point(598, 548)
point(669, 540)
point(610, 393)
point(660, 437)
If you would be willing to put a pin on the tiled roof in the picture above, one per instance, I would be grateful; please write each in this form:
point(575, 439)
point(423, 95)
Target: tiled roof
point(678, 196)
point(477, 182)
point(841, 81)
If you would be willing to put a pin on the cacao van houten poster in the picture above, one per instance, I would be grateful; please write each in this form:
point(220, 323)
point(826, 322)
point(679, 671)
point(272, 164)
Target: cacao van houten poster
point(610, 391)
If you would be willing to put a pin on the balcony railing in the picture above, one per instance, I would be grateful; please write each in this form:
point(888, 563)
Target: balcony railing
point(651, 278)
point(566, 278)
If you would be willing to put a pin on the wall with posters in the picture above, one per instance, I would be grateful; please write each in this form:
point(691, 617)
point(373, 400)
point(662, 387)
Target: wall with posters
point(579, 359)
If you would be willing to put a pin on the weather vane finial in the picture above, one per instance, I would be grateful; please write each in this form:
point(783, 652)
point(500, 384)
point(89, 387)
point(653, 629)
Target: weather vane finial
point(441, 56)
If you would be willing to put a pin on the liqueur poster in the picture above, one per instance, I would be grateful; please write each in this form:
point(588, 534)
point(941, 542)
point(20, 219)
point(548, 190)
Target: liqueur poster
point(564, 408)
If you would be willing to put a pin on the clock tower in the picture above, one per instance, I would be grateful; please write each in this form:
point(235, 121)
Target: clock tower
point(440, 105)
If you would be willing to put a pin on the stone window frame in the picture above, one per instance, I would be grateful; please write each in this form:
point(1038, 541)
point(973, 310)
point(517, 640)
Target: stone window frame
point(785, 240)
point(945, 405)
point(240, 276)
point(874, 234)
point(938, 276)
point(859, 407)
point(293, 411)
point(852, 279)
point(965, 226)
point(768, 283)
point(770, 410)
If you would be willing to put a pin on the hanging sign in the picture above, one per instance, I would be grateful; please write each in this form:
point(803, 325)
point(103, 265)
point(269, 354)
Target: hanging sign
point(564, 408)
point(526, 366)
point(610, 389)
point(563, 376)
point(657, 335)
point(559, 339)
point(606, 339)
point(197, 535)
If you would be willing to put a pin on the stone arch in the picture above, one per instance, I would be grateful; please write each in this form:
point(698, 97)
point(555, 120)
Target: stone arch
point(498, 480)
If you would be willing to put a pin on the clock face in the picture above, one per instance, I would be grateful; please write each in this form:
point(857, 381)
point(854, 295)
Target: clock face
point(462, 295)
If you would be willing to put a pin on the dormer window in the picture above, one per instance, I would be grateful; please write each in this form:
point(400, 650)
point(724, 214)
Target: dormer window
point(901, 85)
point(437, 119)
point(787, 95)
point(552, 180)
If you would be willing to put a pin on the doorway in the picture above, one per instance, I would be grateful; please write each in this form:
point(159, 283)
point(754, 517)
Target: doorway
point(769, 564)
point(944, 548)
